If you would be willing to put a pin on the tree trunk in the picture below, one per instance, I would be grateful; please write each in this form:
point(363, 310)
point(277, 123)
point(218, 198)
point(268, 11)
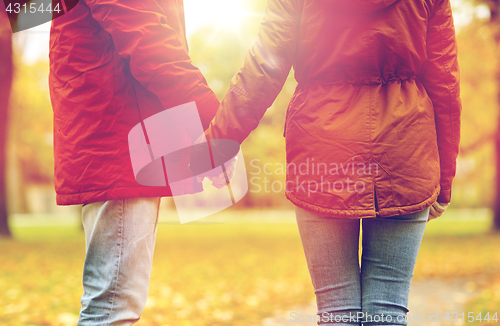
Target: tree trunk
point(494, 6)
point(496, 208)
point(5, 87)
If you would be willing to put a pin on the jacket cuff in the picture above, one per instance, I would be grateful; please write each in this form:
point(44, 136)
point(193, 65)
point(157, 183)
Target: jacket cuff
point(444, 196)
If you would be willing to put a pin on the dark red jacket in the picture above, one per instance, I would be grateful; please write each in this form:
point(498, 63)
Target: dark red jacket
point(376, 114)
point(114, 63)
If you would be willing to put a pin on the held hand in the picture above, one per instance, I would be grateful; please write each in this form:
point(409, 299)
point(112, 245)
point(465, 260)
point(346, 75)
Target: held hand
point(437, 209)
point(219, 181)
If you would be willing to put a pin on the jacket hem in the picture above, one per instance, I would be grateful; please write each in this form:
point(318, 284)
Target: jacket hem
point(364, 213)
point(112, 194)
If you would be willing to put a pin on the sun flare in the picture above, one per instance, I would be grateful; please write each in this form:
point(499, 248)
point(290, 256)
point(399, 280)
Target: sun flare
point(227, 14)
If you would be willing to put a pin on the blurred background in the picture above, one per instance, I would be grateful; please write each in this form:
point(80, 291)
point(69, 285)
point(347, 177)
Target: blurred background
point(244, 265)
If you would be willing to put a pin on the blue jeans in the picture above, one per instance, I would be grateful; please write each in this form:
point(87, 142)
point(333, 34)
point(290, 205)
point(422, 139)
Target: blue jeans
point(120, 237)
point(375, 293)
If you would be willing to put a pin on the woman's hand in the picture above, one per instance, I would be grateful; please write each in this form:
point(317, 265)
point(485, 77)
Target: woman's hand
point(437, 209)
point(225, 177)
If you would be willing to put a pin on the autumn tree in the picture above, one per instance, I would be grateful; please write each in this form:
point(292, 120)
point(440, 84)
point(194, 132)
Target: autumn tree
point(494, 25)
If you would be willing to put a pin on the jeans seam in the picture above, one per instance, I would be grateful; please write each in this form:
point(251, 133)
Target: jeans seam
point(157, 215)
point(120, 247)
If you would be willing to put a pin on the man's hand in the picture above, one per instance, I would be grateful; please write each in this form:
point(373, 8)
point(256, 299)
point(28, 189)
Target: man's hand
point(437, 209)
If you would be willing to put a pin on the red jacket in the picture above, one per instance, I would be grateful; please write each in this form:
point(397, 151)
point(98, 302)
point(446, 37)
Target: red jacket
point(374, 124)
point(112, 65)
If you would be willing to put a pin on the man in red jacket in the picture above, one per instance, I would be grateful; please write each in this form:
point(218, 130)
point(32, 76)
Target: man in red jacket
point(113, 64)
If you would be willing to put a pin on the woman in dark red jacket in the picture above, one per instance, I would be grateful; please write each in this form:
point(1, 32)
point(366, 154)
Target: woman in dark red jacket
point(376, 118)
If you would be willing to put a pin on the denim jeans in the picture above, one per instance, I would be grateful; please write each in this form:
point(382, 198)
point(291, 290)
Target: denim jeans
point(375, 293)
point(120, 237)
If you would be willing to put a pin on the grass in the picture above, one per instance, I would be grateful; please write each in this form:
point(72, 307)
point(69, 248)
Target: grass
point(215, 274)
point(487, 305)
point(203, 274)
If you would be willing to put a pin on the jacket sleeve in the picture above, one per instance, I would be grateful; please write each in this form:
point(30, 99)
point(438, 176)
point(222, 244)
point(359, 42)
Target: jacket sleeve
point(261, 77)
point(158, 60)
point(440, 78)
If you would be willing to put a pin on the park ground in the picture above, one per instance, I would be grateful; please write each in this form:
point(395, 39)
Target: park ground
point(239, 268)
